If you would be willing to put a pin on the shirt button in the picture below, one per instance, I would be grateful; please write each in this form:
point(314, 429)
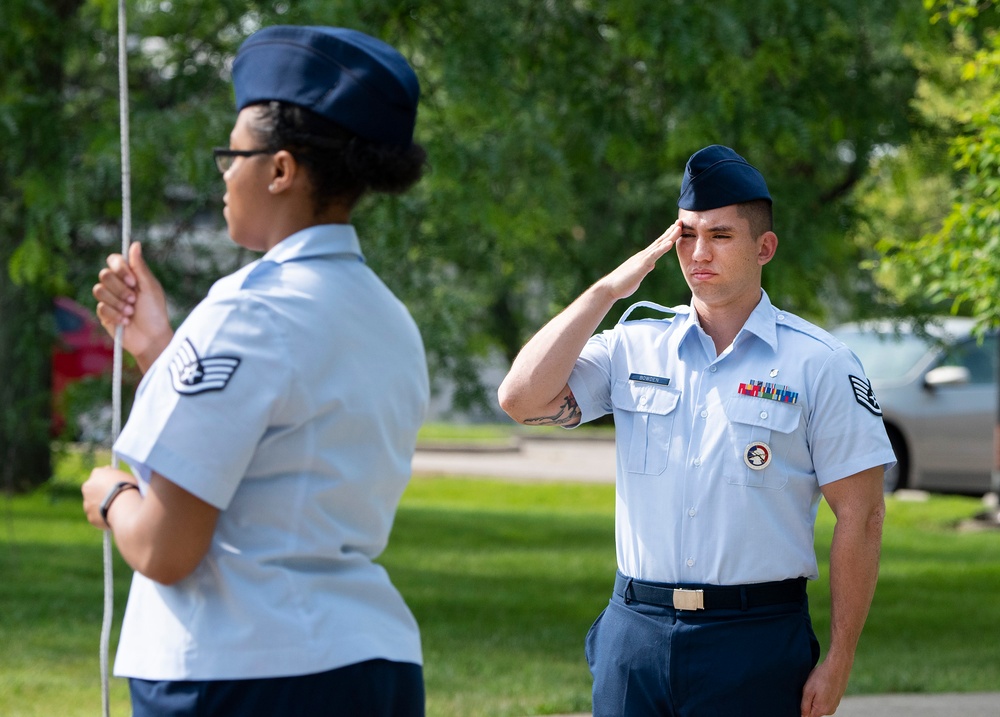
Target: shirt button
point(690, 562)
point(781, 317)
point(763, 414)
point(697, 461)
point(713, 369)
point(692, 512)
point(642, 400)
point(704, 414)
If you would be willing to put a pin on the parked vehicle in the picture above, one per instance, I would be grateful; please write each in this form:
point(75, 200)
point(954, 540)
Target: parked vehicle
point(937, 387)
point(83, 349)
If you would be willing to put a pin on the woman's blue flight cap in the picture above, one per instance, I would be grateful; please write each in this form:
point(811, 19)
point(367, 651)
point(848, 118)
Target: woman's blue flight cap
point(346, 76)
point(716, 177)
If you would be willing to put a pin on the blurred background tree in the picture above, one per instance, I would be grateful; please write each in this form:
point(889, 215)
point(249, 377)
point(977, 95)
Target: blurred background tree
point(34, 225)
point(934, 203)
point(557, 134)
point(60, 181)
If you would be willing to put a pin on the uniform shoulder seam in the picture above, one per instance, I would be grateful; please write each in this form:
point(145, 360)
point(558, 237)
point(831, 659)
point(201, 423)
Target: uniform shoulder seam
point(800, 325)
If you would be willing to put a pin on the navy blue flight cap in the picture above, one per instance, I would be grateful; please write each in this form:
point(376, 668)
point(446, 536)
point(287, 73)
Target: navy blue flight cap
point(716, 177)
point(346, 76)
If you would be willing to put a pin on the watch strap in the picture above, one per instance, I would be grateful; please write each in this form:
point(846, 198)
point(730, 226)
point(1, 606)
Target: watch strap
point(115, 491)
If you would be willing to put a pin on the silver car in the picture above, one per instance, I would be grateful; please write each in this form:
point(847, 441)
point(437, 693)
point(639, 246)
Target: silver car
point(938, 390)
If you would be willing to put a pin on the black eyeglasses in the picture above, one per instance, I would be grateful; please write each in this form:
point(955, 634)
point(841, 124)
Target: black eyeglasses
point(224, 156)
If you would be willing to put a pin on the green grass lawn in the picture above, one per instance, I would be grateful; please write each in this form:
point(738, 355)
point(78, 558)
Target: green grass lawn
point(476, 560)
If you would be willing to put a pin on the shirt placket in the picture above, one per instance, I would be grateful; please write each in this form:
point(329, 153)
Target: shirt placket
point(702, 371)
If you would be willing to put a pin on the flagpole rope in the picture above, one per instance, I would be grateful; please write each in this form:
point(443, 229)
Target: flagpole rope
point(116, 380)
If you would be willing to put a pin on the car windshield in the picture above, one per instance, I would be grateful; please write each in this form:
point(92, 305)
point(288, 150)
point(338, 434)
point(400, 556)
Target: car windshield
point(884, 355)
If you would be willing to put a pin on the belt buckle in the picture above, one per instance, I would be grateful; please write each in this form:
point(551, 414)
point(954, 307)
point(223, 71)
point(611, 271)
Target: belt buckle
point(689, 599)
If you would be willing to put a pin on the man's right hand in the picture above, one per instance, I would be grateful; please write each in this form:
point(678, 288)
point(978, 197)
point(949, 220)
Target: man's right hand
point(625, 280)
point(129, 295)
point(536, 389)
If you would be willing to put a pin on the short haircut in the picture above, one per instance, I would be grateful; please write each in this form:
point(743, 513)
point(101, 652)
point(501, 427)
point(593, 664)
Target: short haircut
point(341, 165)
point(759, 215)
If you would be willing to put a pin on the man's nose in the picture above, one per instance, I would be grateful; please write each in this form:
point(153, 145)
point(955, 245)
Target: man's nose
point(702, 250)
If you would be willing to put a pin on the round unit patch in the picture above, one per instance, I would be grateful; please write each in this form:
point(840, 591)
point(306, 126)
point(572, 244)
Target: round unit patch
point(757, 456)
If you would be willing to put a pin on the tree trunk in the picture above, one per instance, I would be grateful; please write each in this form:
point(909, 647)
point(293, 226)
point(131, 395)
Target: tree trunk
point(34, 123)
point(25, 388)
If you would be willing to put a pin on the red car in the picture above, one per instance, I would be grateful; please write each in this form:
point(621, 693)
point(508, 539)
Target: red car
point(83, 349)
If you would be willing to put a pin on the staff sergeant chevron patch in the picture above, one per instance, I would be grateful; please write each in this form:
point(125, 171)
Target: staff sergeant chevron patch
point(865, 395)
point(192, 374)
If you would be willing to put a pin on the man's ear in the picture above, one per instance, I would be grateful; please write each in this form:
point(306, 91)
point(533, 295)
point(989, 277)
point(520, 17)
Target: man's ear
point(768, 245)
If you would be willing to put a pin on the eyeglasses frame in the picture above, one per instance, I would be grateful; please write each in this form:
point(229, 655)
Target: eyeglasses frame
point(224, 156)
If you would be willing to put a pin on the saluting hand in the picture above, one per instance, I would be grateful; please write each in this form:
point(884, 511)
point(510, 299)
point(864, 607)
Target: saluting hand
point(128, 294)
point(625, 280)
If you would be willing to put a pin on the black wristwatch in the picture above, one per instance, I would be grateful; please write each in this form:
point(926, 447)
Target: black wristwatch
point(110, 497)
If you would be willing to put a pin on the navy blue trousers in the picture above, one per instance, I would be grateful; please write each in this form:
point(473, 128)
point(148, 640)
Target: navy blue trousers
point(653, 661)
point(377, 688)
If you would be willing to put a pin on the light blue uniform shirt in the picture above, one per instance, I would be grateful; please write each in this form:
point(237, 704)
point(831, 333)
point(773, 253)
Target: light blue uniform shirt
point(721, 458)
point(289, 399)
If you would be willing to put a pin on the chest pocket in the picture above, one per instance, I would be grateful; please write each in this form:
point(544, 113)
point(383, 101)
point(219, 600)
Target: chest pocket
point(757, 420)
point(651, 410)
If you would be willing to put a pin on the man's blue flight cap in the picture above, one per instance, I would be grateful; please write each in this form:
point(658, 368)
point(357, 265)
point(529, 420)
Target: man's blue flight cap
point(716, 177)
point(346, 76)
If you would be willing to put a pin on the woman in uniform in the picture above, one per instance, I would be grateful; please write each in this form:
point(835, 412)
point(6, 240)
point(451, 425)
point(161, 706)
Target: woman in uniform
point(272, 434)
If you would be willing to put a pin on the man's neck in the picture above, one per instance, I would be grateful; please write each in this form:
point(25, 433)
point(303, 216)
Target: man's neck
point(722, 323)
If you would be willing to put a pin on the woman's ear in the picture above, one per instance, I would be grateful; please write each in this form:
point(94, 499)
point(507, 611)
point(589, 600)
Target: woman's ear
point(768, 247)
point(284, 171)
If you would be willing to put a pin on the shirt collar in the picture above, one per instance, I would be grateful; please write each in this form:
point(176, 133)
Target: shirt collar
point(687, 320)
point(760, 323)
point(319, 240)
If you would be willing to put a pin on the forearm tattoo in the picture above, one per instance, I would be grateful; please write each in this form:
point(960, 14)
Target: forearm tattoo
point(569, 414)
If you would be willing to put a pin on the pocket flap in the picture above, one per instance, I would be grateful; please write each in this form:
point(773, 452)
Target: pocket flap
point(751, 411)
point(644, 397)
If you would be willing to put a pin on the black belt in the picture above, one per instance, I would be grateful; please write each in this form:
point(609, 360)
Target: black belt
point(710, 597)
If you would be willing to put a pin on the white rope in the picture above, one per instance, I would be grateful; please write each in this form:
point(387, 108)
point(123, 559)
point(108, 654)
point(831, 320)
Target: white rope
point(116, 381)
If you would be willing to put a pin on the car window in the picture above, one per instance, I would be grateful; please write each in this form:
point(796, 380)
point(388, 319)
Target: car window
point(884, 355)
point(979, 358)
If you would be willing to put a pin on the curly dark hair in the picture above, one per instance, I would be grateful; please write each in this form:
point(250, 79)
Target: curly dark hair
point(343, 166)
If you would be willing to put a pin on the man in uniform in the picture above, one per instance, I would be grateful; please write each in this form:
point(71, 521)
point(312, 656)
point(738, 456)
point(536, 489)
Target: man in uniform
point(733, 418)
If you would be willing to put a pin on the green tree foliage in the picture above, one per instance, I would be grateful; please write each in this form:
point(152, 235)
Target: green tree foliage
point(33, 226)
point(557, 133)
point(939, 231)
point(60, 181)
